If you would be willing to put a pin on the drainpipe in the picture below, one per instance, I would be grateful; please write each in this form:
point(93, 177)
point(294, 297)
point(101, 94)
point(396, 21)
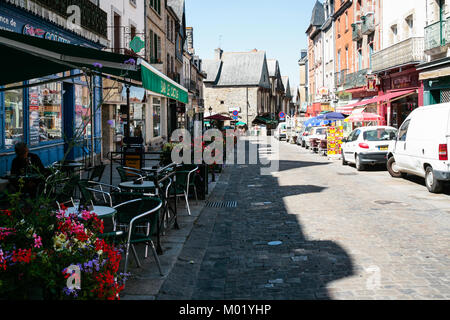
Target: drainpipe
point(92, 120)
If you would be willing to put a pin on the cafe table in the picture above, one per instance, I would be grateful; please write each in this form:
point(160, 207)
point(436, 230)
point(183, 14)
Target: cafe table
point(145, 186)
point(101, 211)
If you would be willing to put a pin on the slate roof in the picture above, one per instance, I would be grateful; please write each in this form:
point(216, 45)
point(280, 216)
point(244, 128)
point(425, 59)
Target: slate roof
point(318, 15)
point(212, 68)
point(238, 69)
point(178, 7)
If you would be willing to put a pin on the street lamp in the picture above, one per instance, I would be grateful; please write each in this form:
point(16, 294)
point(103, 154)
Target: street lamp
point(210, 111)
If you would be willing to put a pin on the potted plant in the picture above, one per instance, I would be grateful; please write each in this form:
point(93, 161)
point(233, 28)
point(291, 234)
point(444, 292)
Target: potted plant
point(41, 247)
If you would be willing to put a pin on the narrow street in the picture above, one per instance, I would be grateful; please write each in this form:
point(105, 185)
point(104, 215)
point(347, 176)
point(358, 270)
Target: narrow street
point(344, 235)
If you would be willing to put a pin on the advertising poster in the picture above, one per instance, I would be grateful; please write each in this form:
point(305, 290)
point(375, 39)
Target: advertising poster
point(334, 137)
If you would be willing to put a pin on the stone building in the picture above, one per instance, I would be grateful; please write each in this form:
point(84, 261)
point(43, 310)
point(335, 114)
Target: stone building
point(237, 81)
point(303, 95)
point(277, 89)
point(287, 96)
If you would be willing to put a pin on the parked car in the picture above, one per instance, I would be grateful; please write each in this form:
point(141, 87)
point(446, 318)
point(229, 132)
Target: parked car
point(280, 132)
point(305, 135)
point(368, 146)
point(316, 133)
point(421, 148)
point(300, 134)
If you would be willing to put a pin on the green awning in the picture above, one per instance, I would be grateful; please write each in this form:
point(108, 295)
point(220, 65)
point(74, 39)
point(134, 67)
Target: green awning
point(24, 57)
point(264, 120)
point(155, 81)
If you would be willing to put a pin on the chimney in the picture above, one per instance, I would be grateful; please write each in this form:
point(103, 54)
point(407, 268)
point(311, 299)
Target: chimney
point(218, 54)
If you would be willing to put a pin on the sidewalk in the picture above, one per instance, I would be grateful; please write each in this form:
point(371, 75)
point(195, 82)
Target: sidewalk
point(146, 282)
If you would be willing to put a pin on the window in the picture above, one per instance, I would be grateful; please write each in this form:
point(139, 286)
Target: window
point(403, 132)
point(83, 121)
point(13, 116)
point(117, 32)
point(410, 25)
point(394, 34)
point(45, 112)
point(356, 135)
point(156, 117)
point(346, 21)
point(156, 5)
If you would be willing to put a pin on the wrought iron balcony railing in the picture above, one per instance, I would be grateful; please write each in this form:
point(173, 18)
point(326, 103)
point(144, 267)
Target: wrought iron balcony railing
point(402, 53)
point(437, 35)
point(340, 77)
point(92, 17)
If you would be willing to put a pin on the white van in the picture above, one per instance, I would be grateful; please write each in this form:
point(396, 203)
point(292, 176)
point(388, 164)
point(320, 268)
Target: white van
point(281, 131)
point(421, 147)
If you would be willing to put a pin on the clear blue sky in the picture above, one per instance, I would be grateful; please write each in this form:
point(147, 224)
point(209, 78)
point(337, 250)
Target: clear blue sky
point(275, 26)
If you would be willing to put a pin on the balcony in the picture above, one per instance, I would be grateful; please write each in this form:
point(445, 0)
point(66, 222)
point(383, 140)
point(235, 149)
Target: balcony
point(356, 31)
point(92, 17)
point(340, 77)
point(405, 52)
point(368, 24)
point(437, 37)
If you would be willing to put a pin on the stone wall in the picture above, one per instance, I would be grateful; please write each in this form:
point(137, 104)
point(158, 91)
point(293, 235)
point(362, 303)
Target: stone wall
point(223, 98)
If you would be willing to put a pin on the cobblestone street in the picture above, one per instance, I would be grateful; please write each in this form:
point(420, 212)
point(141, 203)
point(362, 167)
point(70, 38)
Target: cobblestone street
point(344, 235)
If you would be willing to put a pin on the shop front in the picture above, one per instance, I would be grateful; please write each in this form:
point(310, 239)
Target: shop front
point(396, 110)
point(43, 111)
point(435, 78)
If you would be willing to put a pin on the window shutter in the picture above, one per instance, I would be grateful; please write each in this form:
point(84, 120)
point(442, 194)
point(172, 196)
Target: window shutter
point(159, 48)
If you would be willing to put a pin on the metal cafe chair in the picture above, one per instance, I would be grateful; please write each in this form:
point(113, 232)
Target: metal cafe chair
point(164, 179)
point(129, 174)
point(136, 212)
point(182, 186)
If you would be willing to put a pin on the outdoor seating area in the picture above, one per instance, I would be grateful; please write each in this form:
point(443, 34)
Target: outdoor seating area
point(129, 208)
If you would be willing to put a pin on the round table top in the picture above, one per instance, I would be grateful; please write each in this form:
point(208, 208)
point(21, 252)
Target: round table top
point(100, 211)
point(131, 185)
point(70, 164)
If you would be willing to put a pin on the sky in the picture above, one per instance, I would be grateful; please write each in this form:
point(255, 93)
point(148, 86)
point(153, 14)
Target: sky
point(275, 26)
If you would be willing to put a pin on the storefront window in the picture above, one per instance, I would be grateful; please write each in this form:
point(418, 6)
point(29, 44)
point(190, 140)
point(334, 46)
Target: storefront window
point(83, 119)
point(156, 117)
point(13, 116)
point(45, 112)
point(137, 115)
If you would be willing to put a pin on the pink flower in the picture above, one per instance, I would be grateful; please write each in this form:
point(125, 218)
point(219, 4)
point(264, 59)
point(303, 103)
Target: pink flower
point(37, 241)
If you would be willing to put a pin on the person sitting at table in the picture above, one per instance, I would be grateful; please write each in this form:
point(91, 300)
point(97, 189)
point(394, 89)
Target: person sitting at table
point(26, 162)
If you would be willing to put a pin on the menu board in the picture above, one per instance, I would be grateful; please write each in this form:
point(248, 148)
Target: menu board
point(334, 137)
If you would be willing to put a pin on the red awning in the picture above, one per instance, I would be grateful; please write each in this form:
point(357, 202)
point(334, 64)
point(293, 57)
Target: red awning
point(377, 99)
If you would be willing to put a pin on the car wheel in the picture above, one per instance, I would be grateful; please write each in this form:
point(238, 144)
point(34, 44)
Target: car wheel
point(433, 185)
point(393, 169)
point(344, 163)
point(359, 165)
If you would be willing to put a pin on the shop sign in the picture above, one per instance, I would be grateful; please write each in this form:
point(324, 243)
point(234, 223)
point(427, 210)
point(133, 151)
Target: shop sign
point(401, 82)
point(372, 82)
point(334, 140)
point(15, 22)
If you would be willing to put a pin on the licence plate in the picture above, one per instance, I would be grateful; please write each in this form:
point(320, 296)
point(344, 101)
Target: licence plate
point(384, 148)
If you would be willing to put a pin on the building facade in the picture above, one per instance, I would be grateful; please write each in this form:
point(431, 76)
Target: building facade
point(395, 66)
point(43, 115)
point(434, 74)
point(315, 58)
point(237, 81)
